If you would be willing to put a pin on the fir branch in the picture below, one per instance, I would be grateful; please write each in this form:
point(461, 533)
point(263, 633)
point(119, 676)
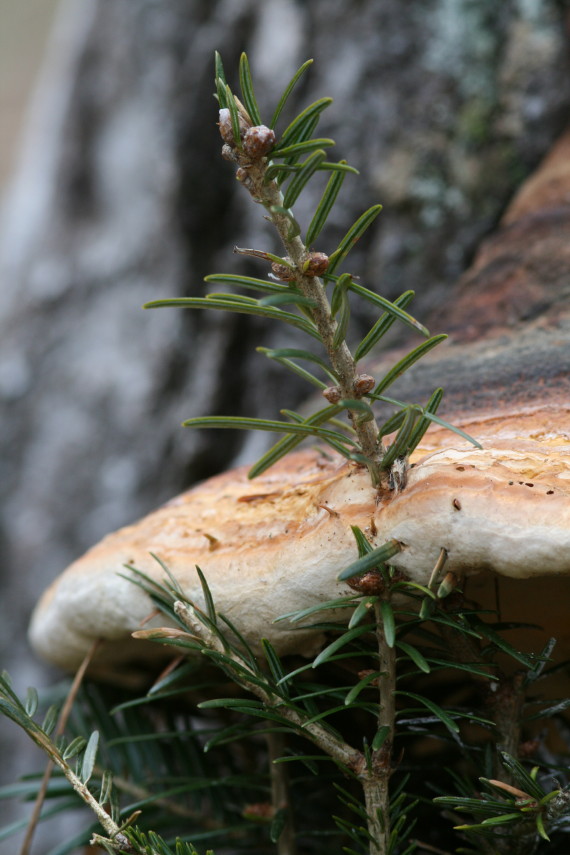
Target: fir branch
point(341, 360)
point(336, 748)
point(60, 730)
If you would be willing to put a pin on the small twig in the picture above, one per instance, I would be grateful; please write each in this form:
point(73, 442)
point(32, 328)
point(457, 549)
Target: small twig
point(375, 781)
point(386, 681)
point(336, 748)
point(506, 704)
point(80, 788)
point(62, 723)
point(43, 741)
point(374, 778)
point(252, 173)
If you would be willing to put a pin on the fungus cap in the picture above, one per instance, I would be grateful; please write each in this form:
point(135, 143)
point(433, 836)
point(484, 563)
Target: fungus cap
point(276, 544)
point(266, 547)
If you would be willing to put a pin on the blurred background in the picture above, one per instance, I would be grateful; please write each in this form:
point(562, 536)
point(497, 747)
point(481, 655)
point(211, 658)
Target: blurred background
point(24, 29)
point(114, 193)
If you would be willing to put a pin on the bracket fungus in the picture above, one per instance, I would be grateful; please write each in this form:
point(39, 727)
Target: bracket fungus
point(277, 544)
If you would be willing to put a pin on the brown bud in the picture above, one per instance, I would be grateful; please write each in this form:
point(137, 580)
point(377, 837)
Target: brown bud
point(332, 394)
point(364, 383)
point(244, 177)
point(225, 125)
point(316, 264)
point(370, 583)
point(229, 152)
point(258, 141)
point(284, 272)
point(227, 129)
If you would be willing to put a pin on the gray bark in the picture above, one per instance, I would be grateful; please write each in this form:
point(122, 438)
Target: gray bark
point(121, 197)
